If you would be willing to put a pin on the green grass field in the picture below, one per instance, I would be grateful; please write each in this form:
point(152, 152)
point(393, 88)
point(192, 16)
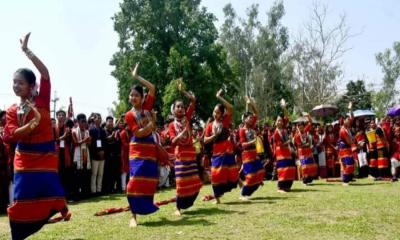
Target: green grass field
point(365, 210)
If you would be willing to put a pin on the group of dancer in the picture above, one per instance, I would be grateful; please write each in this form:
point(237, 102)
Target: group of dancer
point(37, 185)
point(143, 151)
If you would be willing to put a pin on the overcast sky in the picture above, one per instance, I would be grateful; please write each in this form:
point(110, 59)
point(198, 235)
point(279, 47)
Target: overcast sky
point(76, 40)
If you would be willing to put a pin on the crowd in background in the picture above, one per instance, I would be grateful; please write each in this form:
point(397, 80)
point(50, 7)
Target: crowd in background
point(93, 154)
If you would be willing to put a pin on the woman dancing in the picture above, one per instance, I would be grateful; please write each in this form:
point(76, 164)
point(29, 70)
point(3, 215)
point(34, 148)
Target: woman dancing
point(224, 171)
point(285, 164)
point(188, 182)
point(143, 164)
point(303, 140)
point(252, 169)
point(38, 193)
point(346, 141)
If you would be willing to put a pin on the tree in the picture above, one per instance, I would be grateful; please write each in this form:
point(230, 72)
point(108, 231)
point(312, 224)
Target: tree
point(357, 94)
point(256, 53)
point(389, 60)
point(317, 59)
point(171, 39)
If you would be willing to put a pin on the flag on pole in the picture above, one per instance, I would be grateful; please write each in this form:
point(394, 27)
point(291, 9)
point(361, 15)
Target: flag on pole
point(70, 109)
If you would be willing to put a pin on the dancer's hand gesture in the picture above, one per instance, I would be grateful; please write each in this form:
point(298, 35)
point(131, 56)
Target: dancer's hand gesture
point(24, 42)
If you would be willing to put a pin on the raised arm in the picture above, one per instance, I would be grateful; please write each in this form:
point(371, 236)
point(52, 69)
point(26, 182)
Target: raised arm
point(351, 112)
point(226, 104)
point(252, 104)
point(190, 96)
point(310, 122)
point(35, 60)
point(147, 84)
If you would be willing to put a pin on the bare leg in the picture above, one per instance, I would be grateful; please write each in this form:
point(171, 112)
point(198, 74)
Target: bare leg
point(178, 212)
point(244, 198)
point(133, 223)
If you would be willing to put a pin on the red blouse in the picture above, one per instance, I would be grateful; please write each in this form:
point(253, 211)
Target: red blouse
point(43, 132)
point(171, 127)
point(130, 118)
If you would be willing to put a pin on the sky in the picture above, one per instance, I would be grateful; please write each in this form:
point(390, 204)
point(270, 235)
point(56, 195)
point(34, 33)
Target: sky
point(76, 40)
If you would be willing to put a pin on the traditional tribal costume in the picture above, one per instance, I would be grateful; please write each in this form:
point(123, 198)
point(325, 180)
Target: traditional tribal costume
point(252, 169)
point(346, 154)
point(372, 154)
point(285, 164)
point(38, 194)
point(143, 180)
point(309, 169)
point(395, 150)
point(330, 151)
point(188, 182)
point(224, 171)
point(383, 152)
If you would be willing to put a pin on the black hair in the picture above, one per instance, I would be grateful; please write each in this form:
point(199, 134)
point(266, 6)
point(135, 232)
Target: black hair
point(61, 111)
point(246, 115)
point(221, 108)
point(81, 116)
point(98, 115)
point(138, 89)
point(28, 75)
point(2, 113)
point(69, 123)
point(109, 117)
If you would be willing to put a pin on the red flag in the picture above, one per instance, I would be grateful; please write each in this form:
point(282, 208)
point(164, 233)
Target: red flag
point(70, 109)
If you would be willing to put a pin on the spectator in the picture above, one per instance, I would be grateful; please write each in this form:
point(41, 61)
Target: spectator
point(112, 157)
point(81, 140)
point(98, 141)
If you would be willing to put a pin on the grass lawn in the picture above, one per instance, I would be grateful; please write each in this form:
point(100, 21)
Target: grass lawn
point(365, 210)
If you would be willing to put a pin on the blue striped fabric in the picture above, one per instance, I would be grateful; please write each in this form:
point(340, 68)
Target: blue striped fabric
point(37, 147)
point(30, 185)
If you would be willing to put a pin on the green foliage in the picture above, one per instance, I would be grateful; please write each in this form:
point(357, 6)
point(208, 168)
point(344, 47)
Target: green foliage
point(389, 60)
point(357, 94)
point(256, 54)
point(171, 39)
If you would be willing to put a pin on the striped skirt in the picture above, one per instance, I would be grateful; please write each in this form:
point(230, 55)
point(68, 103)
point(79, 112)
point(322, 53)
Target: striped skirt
point(347, 164)
point(286, 168)
point(253, 172)
point(188, 182)
point(372, 156)
point(38, 193)
point(224, 173)
point(309, 169)
point(383, 161)
point(144, 175)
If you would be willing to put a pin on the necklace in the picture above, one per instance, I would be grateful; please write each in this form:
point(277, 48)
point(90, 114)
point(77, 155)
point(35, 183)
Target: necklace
point(22, 112)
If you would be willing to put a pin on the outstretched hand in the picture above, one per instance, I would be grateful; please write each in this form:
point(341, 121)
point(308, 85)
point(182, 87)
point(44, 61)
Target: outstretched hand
point(135, 70)
point(180, 85)
point(350, 105)
point(248, 100)
point(283, 103)
point(24, 42)
point(219, 93)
